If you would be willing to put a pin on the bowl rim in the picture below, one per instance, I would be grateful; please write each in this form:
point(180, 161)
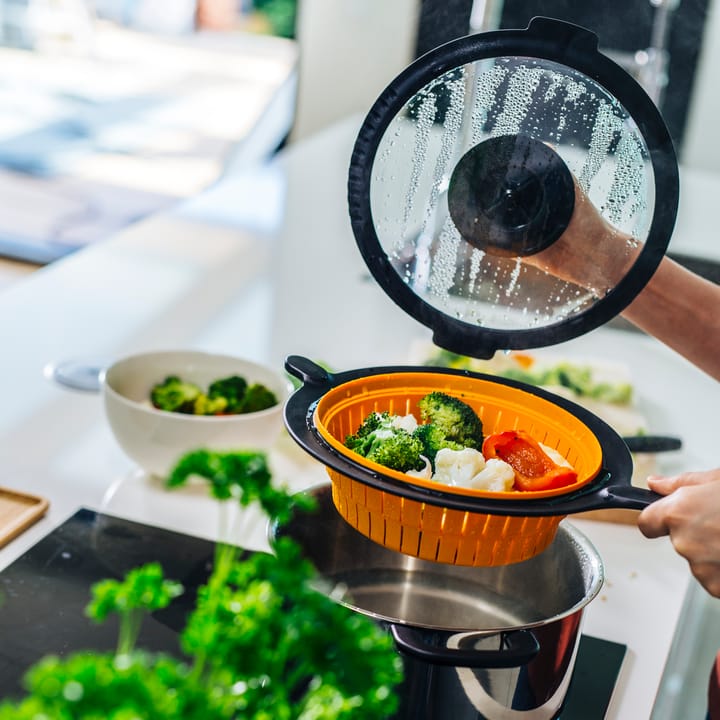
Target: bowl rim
point(108, 390)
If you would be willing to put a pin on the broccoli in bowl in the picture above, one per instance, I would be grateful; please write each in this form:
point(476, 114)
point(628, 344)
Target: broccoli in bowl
point(225, 396)
point(162, 404)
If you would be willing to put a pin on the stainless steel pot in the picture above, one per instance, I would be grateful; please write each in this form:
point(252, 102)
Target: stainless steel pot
point(490, 642)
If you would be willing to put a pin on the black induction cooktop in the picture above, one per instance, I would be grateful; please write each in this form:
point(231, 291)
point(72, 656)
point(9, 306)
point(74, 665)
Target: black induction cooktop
point(44, 593)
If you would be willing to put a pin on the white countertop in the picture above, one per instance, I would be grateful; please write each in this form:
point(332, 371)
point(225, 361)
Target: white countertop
point(265, 266)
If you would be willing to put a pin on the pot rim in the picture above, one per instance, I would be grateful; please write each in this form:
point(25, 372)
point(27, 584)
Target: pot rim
point(593, 572)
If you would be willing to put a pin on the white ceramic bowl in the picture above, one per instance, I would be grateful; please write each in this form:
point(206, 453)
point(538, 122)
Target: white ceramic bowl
point(156, 439)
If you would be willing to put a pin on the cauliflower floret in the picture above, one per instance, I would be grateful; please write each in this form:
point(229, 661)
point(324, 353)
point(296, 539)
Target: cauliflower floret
point(458, 467)
point(424, 473)
point(408, 423)
point(468, 468)
point(496, 476)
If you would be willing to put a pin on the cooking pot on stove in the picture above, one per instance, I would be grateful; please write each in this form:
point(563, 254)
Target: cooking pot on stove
point(476, 642)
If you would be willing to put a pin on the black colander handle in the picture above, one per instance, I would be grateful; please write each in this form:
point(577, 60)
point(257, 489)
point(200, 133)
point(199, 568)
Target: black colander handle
point(308, 371)
point(628, 497)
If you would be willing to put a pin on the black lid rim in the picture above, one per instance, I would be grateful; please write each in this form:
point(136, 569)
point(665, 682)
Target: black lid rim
point(545, 39)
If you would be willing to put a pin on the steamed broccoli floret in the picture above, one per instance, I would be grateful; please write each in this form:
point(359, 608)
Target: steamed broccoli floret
point(175, 395)
point(257, 397)
point(232, 389)
point(205, 405)
point(433, 439)
point(226, 396)
point(400, 451)
point(362, 440)
point(393, 442)
point(454, 419)
point(381, 440)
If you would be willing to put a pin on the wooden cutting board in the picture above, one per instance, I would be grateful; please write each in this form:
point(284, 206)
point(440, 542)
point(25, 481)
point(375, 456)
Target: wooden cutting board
point(18, 511)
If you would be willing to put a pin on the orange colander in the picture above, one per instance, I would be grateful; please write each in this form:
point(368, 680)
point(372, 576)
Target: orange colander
point(447, 524)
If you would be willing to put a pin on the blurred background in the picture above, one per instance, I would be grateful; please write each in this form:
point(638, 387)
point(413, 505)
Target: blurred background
point(112, 110)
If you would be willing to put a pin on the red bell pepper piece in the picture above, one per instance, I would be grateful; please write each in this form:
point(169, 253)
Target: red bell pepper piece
point(534, 470)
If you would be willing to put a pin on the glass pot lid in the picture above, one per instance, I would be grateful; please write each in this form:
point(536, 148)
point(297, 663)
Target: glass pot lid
point(473, 163)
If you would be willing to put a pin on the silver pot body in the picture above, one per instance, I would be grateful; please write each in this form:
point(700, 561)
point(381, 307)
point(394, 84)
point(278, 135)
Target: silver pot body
point(496, 643)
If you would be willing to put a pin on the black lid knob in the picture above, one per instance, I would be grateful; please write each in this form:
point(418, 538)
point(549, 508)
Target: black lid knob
point(511, 196)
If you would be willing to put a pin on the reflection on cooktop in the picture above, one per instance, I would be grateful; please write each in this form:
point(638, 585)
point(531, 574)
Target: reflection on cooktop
point(45, 591)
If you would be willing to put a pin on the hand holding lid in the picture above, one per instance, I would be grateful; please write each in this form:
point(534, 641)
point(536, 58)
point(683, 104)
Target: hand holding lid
point(511, 196)
point(470, 168)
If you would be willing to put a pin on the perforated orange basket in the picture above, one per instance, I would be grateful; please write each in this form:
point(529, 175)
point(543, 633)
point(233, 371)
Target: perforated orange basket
point(429, 530)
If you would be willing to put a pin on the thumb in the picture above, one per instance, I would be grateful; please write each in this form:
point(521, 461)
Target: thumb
point(663, 485)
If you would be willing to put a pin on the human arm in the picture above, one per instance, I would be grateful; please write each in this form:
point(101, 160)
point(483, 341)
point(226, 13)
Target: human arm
point(682, 310)
point(676, 306)
point(217, 14)
point(689, 514)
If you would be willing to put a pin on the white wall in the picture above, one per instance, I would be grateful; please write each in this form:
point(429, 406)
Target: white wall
point(349, 51)
point(701, 149)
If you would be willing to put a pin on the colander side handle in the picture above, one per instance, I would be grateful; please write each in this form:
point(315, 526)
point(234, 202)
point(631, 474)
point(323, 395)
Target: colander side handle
point(308, 371)
point(517, 648)
point(628, 497)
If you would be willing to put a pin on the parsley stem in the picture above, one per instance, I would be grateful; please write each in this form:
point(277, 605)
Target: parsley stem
point(130, 623)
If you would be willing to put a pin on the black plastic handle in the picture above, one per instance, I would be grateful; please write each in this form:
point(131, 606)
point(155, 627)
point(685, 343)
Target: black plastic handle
point(563, 34)
point(308, 371)
point(628, 497)
point(517, 648)
point(511, 196)
point(652, 443)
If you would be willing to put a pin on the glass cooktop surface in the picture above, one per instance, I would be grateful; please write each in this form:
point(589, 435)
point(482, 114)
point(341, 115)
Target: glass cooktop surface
point(44, 593)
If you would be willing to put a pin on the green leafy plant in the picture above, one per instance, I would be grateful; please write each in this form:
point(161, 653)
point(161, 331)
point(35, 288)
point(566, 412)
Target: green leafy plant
point(143, 590)
point(281, 16)
point(260, 644)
